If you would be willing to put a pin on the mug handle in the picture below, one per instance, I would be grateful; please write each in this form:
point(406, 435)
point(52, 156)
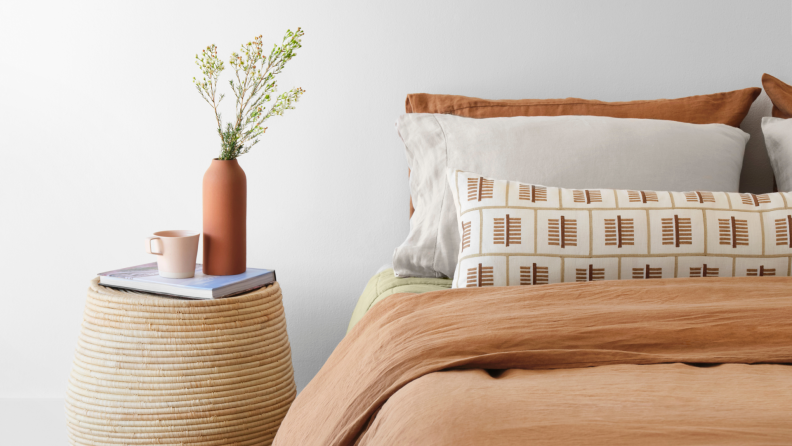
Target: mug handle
point(148, 245)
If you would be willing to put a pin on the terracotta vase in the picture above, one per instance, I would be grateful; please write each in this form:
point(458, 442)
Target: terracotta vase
point(224, 219)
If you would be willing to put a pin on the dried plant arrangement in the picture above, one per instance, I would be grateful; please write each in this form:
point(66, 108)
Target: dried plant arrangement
point(254, 88)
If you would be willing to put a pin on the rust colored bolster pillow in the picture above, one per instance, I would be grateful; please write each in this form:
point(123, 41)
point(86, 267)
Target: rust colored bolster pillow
point(720, 108)
point(779, 92)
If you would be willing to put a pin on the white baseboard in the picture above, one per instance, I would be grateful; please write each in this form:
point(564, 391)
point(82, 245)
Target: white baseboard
point(33, 422)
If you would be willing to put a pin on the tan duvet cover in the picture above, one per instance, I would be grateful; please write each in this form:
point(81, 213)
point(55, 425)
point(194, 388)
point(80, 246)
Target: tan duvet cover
point(597, 363)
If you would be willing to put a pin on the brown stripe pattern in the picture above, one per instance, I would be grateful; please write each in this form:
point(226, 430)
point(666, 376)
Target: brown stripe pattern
point(760, 272)
point(619, 231)
point(480, 275)
point(534, 275)
point(783, 227)
point(589, 274)
point(480, 188)
point(587, 196)
point(733, 232)
point(677, 231)
point(532, 193)
point(754, 200)
point(562, 232)
point(466, 225)
point(507, 231)
point(704, 271)
point(639, 196)
point(647, 272)
point(699, 197)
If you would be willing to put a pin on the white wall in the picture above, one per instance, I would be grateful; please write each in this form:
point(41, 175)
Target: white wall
point(105, 140)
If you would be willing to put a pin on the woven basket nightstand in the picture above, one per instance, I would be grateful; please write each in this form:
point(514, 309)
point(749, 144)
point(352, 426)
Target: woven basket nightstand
point(153, 370)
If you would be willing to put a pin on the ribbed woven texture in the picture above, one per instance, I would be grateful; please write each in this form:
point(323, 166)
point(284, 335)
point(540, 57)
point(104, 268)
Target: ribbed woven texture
point(153, 370)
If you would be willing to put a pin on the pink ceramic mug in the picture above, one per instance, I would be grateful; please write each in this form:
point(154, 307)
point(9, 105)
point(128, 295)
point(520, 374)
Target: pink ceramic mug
point(176, 252)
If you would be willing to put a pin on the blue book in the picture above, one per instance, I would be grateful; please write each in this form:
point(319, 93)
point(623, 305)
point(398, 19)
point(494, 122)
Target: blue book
point(146, 278)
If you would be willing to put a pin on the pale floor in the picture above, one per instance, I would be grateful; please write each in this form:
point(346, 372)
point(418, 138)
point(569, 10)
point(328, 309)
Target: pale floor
point(33, 422)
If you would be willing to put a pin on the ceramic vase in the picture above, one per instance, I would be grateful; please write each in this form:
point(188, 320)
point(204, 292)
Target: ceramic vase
point(224, 219)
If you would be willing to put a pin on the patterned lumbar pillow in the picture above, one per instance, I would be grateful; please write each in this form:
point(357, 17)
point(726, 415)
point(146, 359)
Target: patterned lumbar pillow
point(524, 234)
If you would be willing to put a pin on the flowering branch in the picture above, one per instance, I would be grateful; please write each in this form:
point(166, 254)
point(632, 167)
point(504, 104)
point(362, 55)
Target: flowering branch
point(255, 86)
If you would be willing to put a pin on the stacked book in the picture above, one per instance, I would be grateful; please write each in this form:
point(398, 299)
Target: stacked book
point(146, 278)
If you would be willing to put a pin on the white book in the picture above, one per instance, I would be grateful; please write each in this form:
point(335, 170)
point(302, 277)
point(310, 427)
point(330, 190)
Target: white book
point(202, 286)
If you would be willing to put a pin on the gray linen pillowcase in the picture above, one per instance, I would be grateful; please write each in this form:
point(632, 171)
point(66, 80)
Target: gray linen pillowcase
point(778, 139)
point(564, 151)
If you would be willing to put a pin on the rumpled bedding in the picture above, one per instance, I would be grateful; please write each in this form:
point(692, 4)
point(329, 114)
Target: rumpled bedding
point(672, 361)
point(385, 284)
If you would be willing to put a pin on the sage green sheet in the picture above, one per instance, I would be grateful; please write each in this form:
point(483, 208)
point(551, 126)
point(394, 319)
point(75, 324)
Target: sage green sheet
point(384, 284)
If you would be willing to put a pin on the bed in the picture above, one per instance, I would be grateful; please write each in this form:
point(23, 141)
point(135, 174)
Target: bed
point(696, 360)
point(674, 361)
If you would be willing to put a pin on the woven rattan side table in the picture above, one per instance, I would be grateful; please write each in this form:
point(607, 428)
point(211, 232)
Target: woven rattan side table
point(154, 370)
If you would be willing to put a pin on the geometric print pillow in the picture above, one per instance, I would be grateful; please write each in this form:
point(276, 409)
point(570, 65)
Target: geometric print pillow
point(524, 234)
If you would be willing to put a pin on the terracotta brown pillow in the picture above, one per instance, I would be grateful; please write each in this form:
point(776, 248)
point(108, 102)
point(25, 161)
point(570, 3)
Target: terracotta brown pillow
point(781, 95)
point(720, 108)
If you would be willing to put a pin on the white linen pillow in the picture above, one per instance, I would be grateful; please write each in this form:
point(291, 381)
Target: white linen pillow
point(565, 151)
point(778, 139)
